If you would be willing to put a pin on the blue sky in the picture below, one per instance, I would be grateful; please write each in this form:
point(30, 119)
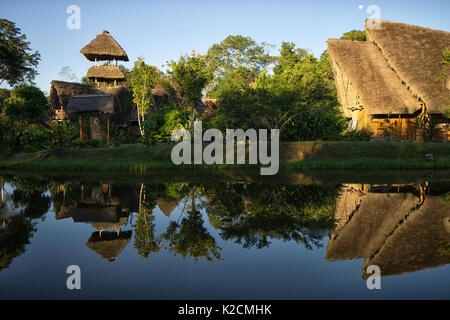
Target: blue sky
point(162, 30)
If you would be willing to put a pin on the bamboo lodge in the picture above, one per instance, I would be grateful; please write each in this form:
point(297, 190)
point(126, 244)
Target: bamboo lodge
point(390, 84)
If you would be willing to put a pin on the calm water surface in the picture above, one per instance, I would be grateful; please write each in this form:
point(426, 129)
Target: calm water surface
point(219, 239)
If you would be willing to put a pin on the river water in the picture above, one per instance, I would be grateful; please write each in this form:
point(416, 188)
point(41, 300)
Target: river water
point(225, 237)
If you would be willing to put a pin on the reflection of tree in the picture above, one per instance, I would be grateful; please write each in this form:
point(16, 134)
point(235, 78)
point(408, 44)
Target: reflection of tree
point(252, 214)
point(190, 238)
point(27, 202)
point(14, 235)
point(145, 240)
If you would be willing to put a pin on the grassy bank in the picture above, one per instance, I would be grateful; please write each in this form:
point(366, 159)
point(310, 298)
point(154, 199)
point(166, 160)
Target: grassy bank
point(295, 156)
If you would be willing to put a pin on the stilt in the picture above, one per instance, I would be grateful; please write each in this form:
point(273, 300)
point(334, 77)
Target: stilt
point(107, 129)
point(81, 126)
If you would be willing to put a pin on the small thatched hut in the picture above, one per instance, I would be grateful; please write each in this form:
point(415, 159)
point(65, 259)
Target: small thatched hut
point(396, 74)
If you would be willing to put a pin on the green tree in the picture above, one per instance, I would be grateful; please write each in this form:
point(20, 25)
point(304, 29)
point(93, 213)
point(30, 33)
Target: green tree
point(143, 78)
point(289, 56)
point(190, 75)
point(357, 35)
point(237, 51)
point(17, 61)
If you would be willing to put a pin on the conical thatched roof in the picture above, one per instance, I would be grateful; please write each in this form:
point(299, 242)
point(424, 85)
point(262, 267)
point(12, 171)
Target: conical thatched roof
point(104, 47)
point(105, 73)
point(395, 70)
point(109, 245)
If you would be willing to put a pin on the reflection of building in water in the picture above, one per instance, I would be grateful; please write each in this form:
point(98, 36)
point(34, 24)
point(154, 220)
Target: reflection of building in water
point(399, 228)
point(109, 244)
point(166, 206)
point(104, 207)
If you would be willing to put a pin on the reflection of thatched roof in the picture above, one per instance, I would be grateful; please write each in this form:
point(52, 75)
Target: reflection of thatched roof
point(393, 71)
point(104, 47)
point(167, 206)
point(110, 226)
point(415, 243)
point(393, 231)
point(110, 244)
point(91, 103)
point(376, 217)
point(94, 214)
point(105, 73)
point(416, 55)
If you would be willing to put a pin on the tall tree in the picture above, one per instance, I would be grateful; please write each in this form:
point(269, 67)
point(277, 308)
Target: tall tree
point(17, 61)
point(143, 78)
point(190, 75)
point(237, 51)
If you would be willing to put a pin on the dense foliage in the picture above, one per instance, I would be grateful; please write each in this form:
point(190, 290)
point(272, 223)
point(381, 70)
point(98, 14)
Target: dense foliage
point(17, 61)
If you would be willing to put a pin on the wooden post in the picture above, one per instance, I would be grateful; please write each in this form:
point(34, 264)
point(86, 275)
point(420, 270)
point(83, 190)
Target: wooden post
point(81, 126)
point(107, 129)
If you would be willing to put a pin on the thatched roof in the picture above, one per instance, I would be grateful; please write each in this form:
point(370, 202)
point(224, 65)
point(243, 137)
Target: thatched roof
point(60, 92)
point(110, 244)
point(416, 54)
point(394, 71)
point(105, 73)
point(104, 47)
point(92, 103)
point(363, 77)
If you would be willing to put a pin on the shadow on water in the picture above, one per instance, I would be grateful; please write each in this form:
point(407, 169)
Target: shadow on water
point(398, 221)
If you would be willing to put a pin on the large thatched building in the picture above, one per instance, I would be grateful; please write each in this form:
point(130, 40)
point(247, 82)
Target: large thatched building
point(395, 74)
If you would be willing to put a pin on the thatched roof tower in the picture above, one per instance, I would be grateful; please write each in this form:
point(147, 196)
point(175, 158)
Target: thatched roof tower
point(105, 73)
point(104, 48)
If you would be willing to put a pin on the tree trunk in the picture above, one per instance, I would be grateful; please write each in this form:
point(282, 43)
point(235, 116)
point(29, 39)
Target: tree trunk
point(192, 122)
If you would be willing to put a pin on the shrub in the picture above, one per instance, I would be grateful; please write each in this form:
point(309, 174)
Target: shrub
point(26, 103)
point(35, 137)
point(160, 125)
point(63, 133)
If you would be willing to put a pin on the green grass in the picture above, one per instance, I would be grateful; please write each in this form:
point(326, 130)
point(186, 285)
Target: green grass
point(293, 156)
